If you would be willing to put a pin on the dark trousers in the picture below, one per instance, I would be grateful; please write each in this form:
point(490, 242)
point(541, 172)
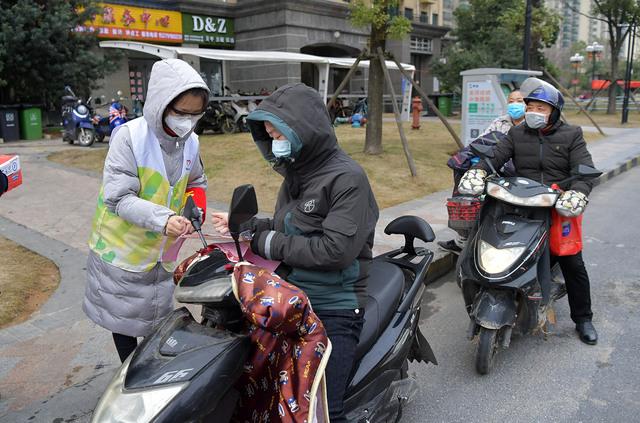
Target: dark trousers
point(577, 283)
point(125, 345)
point(343, 328)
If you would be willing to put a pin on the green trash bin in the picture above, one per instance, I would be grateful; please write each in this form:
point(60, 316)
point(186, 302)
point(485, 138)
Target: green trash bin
point(444, 104)
point(31, 123)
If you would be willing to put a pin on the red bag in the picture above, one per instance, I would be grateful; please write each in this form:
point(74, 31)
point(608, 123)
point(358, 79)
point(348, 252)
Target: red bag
point(565, 234)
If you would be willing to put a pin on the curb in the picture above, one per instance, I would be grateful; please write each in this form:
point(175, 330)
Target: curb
point(442, 264)
point(607, 176)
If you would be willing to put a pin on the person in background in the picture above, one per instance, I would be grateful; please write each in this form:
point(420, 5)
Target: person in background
point(324, 222)
point(496, 129)
point(152, 162)
point(546, 149)
point(513, 117)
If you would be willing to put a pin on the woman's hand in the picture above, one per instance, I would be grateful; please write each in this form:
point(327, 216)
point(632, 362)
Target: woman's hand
point(177, 226)
point(220, 222)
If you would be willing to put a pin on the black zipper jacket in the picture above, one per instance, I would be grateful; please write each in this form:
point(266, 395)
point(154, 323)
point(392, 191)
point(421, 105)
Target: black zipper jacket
point(544, 156)
point(326, 213)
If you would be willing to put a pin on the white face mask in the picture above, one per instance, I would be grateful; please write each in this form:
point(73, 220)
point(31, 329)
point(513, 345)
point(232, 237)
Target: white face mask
point(281, 148)
point(181, 125)
point(535, 120)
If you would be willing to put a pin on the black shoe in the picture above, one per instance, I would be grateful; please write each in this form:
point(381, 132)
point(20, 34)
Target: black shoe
point(587, 332)
point(450, 246)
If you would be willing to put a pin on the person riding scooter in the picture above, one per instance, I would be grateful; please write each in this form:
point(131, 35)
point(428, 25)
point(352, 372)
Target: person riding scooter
point(324, 222)
point(545, 149)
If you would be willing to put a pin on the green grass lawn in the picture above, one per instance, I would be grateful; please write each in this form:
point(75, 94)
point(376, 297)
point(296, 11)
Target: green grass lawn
point(605, 120)
point(231, 160)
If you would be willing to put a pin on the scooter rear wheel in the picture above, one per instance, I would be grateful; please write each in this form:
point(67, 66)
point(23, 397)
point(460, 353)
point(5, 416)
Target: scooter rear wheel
point(486, 350)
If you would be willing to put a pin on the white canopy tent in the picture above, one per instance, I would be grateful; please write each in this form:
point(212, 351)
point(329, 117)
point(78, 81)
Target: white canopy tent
point(323, 63)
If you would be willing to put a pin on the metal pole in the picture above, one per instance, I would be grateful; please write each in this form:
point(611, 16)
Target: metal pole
point(575, 79)
point(527, 36)
point(396, 112)
point(432, 106)
point(627, 86)
point(593, 70)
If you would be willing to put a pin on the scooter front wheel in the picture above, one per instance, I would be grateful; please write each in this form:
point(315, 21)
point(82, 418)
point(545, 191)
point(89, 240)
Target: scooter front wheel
point(486, 350)
point(228, 126)
point(86, 137)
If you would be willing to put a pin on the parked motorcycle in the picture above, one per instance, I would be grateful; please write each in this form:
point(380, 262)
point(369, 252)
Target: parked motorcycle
point(217, 119)
point(241, 109)
point(117, 116)
point(504, 270)
point(76, 119)
point(185, 370)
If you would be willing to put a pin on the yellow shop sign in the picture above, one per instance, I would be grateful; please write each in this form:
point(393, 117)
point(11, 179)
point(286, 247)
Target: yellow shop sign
point(116, 21)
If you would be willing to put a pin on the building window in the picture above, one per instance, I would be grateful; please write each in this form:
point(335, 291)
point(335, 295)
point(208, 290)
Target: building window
point(421, 45)
point(434, 19)
point(424, 18)
point(408, 13)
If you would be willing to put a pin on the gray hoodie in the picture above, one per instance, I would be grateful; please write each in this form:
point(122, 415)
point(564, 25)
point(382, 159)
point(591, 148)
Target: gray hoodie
point(132, 303)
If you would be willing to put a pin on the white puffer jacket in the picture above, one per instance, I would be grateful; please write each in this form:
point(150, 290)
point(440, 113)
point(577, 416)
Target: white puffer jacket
point(132, 303)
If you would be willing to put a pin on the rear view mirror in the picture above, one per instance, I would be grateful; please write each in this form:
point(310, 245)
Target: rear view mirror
point(244, 206)
point(482, 150)
point(585, 172)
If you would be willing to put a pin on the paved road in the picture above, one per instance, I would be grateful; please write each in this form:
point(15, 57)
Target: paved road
point(557, 379)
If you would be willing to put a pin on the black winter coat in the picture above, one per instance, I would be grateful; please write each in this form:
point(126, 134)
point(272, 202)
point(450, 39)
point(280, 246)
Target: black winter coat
point(544, 156)
point(326, 213)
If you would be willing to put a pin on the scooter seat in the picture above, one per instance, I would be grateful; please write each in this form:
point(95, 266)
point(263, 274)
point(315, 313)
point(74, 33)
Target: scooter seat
point(384, 290)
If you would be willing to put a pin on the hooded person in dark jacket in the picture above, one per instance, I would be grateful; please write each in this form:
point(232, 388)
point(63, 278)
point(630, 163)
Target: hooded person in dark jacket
point(324, 221)
point(546, 149)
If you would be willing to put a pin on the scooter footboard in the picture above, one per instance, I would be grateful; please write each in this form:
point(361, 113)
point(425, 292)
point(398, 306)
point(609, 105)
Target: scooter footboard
point(494, 309)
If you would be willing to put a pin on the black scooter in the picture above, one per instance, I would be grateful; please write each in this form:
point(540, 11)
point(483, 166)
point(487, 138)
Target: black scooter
point(185, 371)
point(505, 271)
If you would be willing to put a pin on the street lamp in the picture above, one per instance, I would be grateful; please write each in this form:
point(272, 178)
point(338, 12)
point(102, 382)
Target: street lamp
point(594, 51)
point(576, 60)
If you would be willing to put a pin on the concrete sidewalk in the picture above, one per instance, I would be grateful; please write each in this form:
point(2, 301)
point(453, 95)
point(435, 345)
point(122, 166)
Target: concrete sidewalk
point(55, 366)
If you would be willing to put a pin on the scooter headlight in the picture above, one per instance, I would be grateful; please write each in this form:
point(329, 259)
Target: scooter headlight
point(135, 406)
point(540, 200)
point(497, 260)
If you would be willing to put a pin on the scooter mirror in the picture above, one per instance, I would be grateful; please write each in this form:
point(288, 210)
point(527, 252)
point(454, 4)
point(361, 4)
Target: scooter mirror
point(244, 206)
point(482, 150)
point(585, 172)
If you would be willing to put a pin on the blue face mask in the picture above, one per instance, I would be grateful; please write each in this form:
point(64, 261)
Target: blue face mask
point(516, 110)
point(281, 148)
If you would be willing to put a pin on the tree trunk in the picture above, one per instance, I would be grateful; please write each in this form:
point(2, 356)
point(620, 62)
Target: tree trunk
point(615, 43)
point(611, 107)
point(373, 141)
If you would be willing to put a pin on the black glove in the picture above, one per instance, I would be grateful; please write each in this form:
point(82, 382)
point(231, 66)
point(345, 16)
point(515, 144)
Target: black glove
point(4, 183)
point(258, 243)
point(255, 225)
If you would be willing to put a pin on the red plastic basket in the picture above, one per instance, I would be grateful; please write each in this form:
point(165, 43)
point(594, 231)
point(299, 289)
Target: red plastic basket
point(463, 211)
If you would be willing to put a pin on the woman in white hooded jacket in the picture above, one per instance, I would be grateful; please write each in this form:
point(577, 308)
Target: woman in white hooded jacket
point(152, 162)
